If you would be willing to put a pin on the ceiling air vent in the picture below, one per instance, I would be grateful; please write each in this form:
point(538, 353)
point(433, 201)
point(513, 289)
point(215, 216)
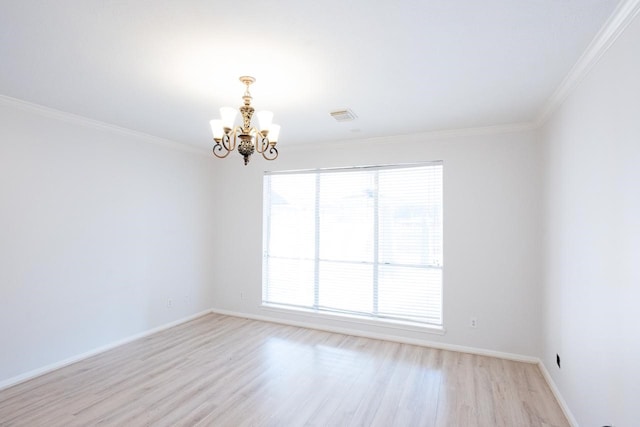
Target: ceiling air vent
point(343, 115)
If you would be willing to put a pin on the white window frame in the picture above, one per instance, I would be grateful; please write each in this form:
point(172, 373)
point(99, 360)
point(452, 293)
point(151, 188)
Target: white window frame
point(315, 310)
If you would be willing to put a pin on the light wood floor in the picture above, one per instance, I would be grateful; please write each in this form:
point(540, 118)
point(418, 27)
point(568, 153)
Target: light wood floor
point(225, 371)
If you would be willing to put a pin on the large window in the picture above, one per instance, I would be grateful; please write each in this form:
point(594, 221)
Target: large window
point(362, 241)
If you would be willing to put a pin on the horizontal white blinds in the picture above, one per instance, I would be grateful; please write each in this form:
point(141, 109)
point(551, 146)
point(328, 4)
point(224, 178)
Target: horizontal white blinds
point(365, 241)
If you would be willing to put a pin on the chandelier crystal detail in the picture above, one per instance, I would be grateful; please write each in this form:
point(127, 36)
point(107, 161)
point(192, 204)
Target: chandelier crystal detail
point(262, 140)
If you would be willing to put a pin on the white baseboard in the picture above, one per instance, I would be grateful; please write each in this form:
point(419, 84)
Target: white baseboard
point(347, 331)
point(558, 396)
point(424, 343)
point(385, 337)
point(52, 367)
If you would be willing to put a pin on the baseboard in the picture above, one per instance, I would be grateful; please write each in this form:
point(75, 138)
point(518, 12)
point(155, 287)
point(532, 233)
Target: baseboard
point(556, 393)
point(52, 367)
point(347, 331)
point(424, 343)
point(385, 337)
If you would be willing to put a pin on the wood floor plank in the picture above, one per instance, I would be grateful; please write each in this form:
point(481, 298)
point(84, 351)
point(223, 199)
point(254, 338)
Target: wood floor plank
point(225, 371)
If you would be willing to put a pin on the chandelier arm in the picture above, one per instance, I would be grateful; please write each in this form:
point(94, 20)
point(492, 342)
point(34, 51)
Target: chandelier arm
point(217, 148)
point(271, 153)
point(229, 144)
point(262, 142)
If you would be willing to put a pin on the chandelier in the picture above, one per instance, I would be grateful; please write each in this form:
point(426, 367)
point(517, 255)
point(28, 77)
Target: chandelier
point(252, 139)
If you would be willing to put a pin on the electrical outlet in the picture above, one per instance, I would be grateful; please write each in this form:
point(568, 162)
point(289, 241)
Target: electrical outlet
point(169, 303)
point(473, 322)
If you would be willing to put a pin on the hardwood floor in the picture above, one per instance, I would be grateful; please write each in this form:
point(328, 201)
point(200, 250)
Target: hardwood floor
point(225, 371)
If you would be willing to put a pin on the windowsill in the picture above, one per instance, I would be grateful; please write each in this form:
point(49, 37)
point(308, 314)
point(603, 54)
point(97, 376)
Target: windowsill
point(383, 323)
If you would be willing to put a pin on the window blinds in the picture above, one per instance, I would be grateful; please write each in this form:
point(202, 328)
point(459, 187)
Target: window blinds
point(361, 241)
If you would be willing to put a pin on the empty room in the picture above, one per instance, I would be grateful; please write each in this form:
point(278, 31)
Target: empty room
point(288, 213)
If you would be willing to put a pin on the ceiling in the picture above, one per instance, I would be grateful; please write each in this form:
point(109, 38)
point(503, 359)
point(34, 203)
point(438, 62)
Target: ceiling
point(165, 67)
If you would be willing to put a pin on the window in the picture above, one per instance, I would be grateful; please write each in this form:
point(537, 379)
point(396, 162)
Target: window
point(362, 241)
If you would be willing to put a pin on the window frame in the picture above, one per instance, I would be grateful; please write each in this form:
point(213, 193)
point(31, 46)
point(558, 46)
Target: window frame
point(373, 318)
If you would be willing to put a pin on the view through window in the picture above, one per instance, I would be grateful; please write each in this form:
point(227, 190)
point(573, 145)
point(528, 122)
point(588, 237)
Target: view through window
point(360, 241)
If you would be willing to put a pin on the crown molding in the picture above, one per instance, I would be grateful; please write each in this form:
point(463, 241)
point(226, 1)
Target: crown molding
point(98, 125)
point(619, 20)
point(422, 136)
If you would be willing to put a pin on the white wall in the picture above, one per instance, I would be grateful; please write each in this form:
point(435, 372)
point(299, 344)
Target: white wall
point(491, 225)
point(592, 245)
point(98, 230)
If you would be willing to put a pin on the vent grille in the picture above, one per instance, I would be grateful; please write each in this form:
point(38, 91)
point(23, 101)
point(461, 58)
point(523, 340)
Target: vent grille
point(343, 115)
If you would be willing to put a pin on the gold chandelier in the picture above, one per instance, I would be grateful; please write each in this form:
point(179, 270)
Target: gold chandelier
point(252, 139)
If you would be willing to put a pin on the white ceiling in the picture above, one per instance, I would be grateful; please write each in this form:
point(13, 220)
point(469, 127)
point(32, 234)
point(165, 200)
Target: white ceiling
point(165, 67)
